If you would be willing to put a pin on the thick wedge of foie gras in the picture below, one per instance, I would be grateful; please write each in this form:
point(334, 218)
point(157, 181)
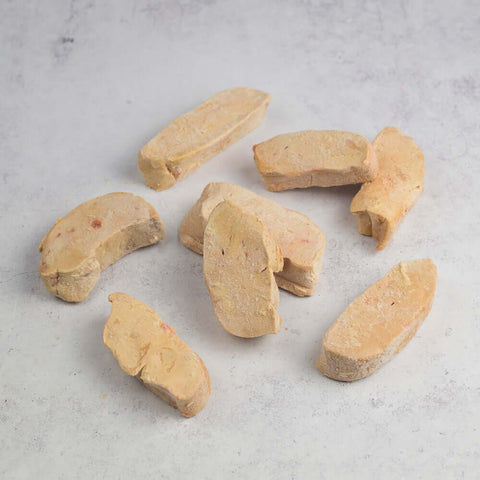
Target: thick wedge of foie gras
point(93, 236)
point(381, 204)
point(239, 259)
point(379, 323)
point(195, 137)
point(149, 349)
point(315, 158)
point(302, 243)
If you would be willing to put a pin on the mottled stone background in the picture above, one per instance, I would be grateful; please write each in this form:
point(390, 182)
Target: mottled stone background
point(84, 85)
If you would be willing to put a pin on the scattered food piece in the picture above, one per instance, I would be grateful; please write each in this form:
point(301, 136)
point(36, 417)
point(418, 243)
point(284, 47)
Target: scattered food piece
point(197, 136)
point(93, 236)
point(381, 204)
point(149, 349)
point(302, 243)
point(380, 322)
point(315, 159)
point(240, 257)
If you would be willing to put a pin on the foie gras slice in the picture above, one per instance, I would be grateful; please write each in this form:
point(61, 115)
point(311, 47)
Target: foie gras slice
point(197, 136)
point(315, 158)
point(301, 241)
point(149, 349)
point(91, 237)
point(240, 257)
point(380, 322)
point(381, 204)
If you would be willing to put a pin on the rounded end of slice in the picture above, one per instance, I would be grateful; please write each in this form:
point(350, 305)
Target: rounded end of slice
point(73, 287)
point(344, 369)
point(155, 174)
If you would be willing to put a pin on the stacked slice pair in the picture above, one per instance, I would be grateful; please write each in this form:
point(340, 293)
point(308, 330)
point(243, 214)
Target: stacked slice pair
point(248, 242)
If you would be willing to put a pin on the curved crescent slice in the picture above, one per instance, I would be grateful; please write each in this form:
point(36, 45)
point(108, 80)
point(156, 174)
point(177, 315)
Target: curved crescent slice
point(239, 259)
point(380, 205)
point(379, 323)
point(93, 236)
point(315, 159)
point(197, 136)
point(301, 241)
point(149, 349)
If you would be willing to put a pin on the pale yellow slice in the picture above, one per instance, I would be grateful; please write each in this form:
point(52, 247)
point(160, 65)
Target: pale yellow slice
point(93, 236)
point(380, 322)
point(197, 136)
point(239, 259)
point(315, 158)
point(381, 204)
point(149, 349)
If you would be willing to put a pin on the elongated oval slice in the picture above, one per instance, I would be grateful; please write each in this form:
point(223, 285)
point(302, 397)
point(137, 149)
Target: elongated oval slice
point(380, 322)
point(301, 241)
point(93, 236)
point(240, 257)
point(315, 158)
point(197, 136)
point(381, 204)
point(149, 349)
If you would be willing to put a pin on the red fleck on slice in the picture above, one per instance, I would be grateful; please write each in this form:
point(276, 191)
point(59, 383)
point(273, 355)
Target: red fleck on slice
point(149, 349)
point(93, 236)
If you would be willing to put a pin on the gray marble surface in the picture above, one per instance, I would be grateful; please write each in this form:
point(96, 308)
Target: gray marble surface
point(84, 85)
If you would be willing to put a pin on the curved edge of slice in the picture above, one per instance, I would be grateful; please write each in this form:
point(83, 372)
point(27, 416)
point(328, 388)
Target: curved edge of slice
point(146, 347)
point(315, 158)
point(381, 204)
point(206, 130)
point(91, 237)
point(240, 258)
point(379, 323)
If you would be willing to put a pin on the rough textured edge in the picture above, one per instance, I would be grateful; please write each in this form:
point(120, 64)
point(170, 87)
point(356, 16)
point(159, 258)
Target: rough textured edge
point(319, 178)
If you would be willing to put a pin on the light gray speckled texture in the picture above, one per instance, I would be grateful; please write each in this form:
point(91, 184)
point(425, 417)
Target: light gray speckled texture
point(84, 85)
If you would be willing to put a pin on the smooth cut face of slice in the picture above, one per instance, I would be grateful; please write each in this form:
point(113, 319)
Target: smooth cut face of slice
point(315, 158)
point(93, 236)
point(149, 349)
point(380, 322)
point(240, 257)
point(200, 134)
point(301, 241)
point(381, 204)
